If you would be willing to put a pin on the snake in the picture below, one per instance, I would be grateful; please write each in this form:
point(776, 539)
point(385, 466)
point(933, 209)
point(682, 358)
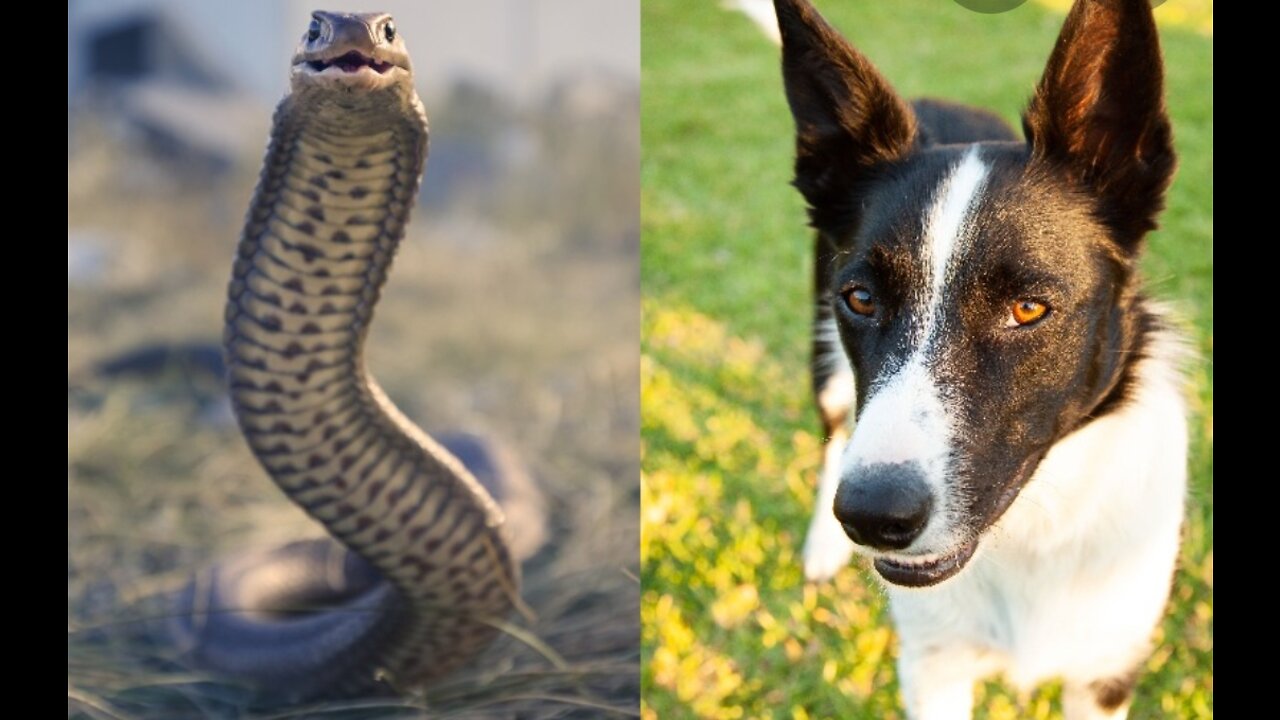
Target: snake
point(421, 571)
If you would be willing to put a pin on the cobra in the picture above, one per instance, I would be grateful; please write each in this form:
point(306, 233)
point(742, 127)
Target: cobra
point(425, 572)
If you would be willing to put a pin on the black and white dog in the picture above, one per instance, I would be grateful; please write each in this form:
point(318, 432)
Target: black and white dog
point(1007, 434)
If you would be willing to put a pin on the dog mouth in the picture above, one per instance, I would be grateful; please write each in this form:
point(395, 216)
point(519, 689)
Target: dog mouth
point(351, 63)
point(923, 571)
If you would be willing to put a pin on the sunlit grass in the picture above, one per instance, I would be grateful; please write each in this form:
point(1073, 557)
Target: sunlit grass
point(730, 446)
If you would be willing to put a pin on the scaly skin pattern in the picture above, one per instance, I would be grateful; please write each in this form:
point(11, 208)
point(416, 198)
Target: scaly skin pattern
point(341, 173)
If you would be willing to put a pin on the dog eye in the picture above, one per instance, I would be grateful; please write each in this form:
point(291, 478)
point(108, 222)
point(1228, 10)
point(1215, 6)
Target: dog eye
point(389, 31)
point(313, 30)
point(1025, 312)
point(860, 301)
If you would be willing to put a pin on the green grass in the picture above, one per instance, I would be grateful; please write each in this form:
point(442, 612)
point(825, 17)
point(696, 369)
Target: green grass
point(729, 439)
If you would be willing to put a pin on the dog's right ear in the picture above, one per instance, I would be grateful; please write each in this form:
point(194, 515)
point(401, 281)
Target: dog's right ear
point(1099, 114)
point(848, 118)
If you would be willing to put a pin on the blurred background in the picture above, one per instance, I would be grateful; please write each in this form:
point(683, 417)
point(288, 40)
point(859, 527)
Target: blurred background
point(731, 443)
point(512, 311)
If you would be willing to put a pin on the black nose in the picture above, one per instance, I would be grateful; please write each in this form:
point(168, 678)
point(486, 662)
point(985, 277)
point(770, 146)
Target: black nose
point(884, 506)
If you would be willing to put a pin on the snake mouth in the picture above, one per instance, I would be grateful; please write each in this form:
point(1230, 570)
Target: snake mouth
point(350, 63)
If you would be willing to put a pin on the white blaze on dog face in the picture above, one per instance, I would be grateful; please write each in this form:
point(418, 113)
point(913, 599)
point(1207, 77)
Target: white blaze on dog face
point(906, 418)
point(953, 398)
point(906, 422)
point(947, 230)
point(989, 306)
point(986, 294)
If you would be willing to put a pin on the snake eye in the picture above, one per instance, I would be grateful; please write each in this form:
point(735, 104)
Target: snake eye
point(860, 301)
point(1025, 312)
point(389, 30)
point(313, 30)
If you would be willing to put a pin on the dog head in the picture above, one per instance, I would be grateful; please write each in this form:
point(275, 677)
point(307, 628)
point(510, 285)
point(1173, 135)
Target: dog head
point(985, 294)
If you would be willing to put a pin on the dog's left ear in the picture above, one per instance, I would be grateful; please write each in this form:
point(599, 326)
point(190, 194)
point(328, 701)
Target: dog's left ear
point(1099, 112)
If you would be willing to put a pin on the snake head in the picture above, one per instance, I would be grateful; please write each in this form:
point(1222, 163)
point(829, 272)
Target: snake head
point(351, 51)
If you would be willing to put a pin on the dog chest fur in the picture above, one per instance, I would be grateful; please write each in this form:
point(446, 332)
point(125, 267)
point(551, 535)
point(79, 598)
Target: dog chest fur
point(1075, 574)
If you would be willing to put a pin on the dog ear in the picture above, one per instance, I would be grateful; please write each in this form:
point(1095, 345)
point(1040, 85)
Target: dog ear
point(1099, 112)
point(848, 118)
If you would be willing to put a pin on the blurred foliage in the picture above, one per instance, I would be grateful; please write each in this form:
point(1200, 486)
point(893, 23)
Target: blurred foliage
point(571, 160)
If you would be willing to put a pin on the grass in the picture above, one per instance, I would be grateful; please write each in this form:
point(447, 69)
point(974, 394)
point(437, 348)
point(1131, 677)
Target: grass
point(503, 316)
point(729, 439)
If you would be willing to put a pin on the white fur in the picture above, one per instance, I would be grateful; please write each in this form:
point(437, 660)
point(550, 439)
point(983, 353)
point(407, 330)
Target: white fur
point(906, 421)
point(826, 546)
point(831, 358)
point(1074, 577)
point(839, 390)
point(762, 15)
point(907, 418)
point(946, 232)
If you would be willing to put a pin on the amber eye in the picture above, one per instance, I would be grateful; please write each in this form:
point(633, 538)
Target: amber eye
point(860, 301)
point(1025, 312)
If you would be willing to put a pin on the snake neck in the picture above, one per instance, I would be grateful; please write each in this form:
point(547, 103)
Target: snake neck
point(340, 177)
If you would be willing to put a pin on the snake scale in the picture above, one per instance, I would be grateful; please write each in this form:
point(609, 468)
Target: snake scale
point(424, 571)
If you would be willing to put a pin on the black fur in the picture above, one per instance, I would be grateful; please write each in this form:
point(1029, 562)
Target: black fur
point(1098, 115)
point(1114, 692)
point(848, 118)
point(1059, 220)
point(947, 123)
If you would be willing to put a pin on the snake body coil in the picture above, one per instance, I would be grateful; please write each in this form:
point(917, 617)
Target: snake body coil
point(431, 569)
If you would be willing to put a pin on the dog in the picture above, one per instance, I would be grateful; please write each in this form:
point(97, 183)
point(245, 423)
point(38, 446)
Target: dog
point(1004, 406)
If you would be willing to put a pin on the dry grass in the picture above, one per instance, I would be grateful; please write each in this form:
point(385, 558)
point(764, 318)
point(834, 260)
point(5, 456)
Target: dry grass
point(513, 329)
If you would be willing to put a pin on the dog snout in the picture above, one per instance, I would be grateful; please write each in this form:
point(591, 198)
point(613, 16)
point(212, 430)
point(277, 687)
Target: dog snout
point(884, 506)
